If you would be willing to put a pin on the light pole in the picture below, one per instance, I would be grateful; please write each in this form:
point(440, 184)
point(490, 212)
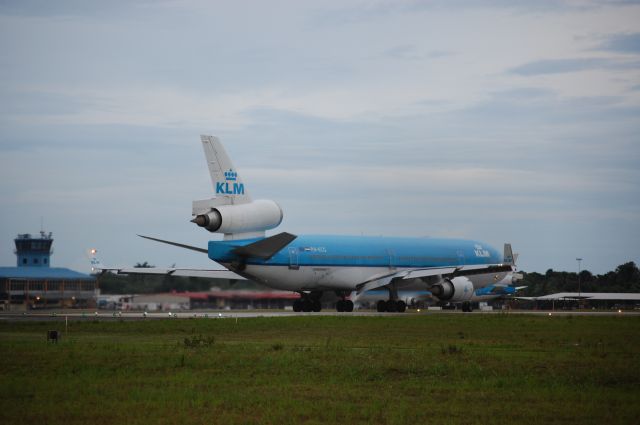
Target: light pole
point(579, 260)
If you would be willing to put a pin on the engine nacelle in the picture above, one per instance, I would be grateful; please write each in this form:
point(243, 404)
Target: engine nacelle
point(455, 290)
point(241, 218)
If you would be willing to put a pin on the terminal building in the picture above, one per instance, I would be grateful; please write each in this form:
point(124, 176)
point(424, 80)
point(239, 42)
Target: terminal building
point(214, 299)
point(33, 283)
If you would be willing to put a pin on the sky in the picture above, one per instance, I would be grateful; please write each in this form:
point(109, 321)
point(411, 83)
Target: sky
point(499, 121)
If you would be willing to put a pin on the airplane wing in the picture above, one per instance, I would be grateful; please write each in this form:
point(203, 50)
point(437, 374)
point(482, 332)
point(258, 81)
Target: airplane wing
point(383, 280)
point(444, 272)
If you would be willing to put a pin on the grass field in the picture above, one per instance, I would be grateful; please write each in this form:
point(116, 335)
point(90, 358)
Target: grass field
point(435, 368)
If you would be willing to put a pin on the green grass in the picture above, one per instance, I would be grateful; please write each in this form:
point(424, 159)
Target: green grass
point(435, 368)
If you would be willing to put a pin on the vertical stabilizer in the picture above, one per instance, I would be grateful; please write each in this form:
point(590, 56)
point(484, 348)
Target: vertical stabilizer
point(225, 178)
point(508, 255)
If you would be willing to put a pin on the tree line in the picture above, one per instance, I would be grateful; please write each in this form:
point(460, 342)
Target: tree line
point(625, 278)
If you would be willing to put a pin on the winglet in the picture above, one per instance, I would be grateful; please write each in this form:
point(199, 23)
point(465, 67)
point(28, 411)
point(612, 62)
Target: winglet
point(508, 255)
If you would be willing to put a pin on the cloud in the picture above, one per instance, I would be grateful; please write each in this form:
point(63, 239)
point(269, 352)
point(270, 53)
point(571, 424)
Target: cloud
point(560, 66)
point(381, 9)
point(563, 66)
point(627, 43)
point(412, 52)
point(622, 43)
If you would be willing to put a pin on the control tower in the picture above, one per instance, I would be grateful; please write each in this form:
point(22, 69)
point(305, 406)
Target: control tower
point(35, 284)
point(34, 251)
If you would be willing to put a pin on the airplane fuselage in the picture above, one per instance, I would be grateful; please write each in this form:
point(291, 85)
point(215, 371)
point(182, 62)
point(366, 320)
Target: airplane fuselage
point(327, 262)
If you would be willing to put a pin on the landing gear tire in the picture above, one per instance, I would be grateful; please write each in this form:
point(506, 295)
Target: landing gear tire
point(307, 305)
point(297, 306)
point(392, 306)
point(348, 306)
point(401, 306)
point(344, 306)
point(466, 307)
point(316, 305)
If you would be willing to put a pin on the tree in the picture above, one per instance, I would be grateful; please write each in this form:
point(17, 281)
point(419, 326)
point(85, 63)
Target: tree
point(625, 278)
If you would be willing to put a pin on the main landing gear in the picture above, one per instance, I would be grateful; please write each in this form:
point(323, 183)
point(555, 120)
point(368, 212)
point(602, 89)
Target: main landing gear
point(344, 305)
point(308, 302)
point(467, 307)
point(392, 306)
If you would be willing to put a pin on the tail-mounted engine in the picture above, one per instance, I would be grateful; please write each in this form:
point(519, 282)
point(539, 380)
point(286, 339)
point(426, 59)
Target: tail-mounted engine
point(455, 290)
point(255, 216)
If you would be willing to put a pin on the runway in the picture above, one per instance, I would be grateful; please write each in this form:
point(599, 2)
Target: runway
point(241, 314)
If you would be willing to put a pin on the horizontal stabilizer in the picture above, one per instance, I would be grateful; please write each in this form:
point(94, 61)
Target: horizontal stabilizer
point(193, 248)
point(265, 248)
point(158, 271)
point(98, 268)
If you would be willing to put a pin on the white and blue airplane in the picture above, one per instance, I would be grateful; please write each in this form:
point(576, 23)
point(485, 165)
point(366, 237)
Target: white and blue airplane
point(320, 266)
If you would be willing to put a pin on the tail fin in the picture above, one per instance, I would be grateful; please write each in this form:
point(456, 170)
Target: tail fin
point(224, 177)
point(508, 255)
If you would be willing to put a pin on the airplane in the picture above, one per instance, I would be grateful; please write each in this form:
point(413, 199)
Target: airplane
point(321, 266)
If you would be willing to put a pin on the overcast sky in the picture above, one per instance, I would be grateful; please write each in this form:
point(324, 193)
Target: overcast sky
point(502, 121)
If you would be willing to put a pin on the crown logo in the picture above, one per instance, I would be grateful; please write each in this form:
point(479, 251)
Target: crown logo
point(230, 175)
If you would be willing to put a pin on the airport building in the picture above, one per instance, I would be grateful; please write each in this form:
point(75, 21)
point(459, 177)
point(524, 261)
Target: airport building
point(33, 283)
point(215, 299)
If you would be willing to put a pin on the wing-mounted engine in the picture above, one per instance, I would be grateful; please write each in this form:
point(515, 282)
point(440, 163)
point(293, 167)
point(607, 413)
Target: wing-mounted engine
point(454, 290)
